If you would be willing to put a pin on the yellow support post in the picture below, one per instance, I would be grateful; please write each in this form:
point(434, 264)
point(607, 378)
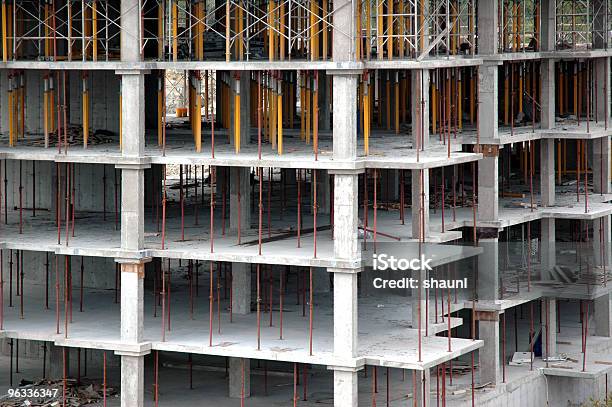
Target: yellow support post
point(366, 114)
point(303, 109)
point(325, 30)
point(11, 111)
point(307, 87)
point(314, 35)
point(160, 31)
point(160, 109)
point(174, 30)
point(281, 36)
point(94, 29)
point(4, 33)
point(46, 110)
point(390, 29)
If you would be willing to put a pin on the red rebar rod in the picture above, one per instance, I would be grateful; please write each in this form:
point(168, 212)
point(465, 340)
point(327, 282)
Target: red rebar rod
point(212, 209)
point(281, 291)
point(503, 347)
point(163, 301)
point(448, 320)
point(442, 202)
point(116, 201)
point(299, 206)
point(269, 200)
point(529, 256)
point(531, 165)
point(103, 193)
point(585, 152)
point(585, 335)
point(387, 387)
point(156, 374)
point(2, 290)
point(66, 296)
point(375, 207)
point(295, 396)
point(402, 197)
point(20, 200)
point(315, 124)
point(259, 115)
point(332, 178)
point(64, 376)
point(270, 295)
point(57, 287)
point(419, 322)
point(239, 203)
point(223, 199)
point(210, 304)
point(258, 308)
point(588, 98)
point(531, 335)
point(72, 195)
point(182, 202)
point(314, 211)
point(218, 298)
point(547, 322)
point(67, 198)
point(578, 158)
point(473, 381)
point(260, 207)
point(81, 284)
point(310, 315)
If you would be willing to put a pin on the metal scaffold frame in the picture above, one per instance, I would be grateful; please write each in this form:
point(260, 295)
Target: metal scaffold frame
point(415, 28)
point(54, 29)
point(519, 25)
point(239, 29)
point(575, 23)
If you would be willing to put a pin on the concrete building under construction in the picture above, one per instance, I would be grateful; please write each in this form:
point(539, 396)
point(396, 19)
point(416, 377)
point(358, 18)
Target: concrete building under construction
point(192, 191)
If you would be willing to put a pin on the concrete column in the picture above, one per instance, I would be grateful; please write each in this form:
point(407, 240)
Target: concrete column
point(241, 288)
point(345, 313)
point(420, 307)
point(56, 361)
point(488, 269)
point(345, 388)
point(549, 25)
point(132, 208)
point(547, 87)
point(345, 117)
point(346, 218)
point(601, 165)
point(132, 301)
point(420, 202)
point(487, 97)
point(236, 381)
point(488, 355)
point(603, 315)
point(549, 323)
point(602, 231)
point(132, 110)
point(324, 102)
point(488, 185)
point(240, 183)
point(132, 381)
point(423, 393)
point(487, 27)
point(419, 84)
point(602, 76)
point(549, 257)
point(547, 171)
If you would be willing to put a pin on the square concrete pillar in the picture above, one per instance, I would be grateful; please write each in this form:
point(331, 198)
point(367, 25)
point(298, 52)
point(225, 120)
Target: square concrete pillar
point(547, 87)
point(487, 98)
point(323, 192)
point(239, 377)
point(132, 112)
point(345, 313)
point(601, 165)
point(240, 184)
point(345, 117)
point(241, 288)
point(488, 355)
point(488, 269)
point(130, 31)
point(549, 25)
point(346, 392)
point(423, 390)
point(132, 208)
point(487, 27)
point(549, 327)
point(132, 302)
point(549, 257)
point(488, 186)
point(346, 218)
point(603, 315)
point(420, 108)
point(602, 90)
point(132, 381)
point(420, 308)
point(420, 203)
point(602, 241)
point(547, 171)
